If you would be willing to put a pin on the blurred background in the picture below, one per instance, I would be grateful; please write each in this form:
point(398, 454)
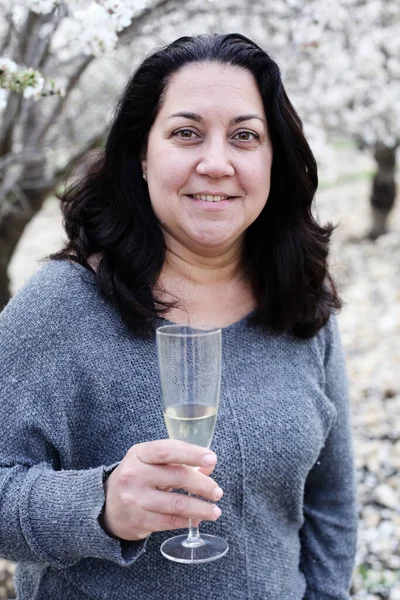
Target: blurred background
point(62, 68)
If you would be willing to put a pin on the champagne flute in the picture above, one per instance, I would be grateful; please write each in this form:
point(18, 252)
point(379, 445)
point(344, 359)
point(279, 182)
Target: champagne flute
point(189, 360)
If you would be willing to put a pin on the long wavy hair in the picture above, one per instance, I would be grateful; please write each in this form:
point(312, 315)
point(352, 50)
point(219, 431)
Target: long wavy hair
point(107, 212)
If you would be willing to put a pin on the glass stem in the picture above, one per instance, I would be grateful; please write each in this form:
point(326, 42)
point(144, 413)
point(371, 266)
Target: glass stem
point(193, 539)
point(194, 533)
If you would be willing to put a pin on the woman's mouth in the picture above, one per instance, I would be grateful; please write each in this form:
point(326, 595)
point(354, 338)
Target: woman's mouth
point(210, 197)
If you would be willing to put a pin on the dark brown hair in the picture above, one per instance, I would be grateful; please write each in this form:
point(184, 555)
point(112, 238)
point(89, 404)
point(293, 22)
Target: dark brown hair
point(108, 211)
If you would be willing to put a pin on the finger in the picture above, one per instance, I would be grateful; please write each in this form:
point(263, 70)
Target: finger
point(206, 470)
point(181, 477)
point(196, 522)
point(164, 452)
point(163, 522)
point(180, 505)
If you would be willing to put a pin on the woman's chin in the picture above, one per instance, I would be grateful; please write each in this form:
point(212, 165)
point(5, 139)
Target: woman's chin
point(213, 245)
point(204, 241)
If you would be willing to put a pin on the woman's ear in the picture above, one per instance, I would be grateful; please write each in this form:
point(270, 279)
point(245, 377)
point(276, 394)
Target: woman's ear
point(143, 161)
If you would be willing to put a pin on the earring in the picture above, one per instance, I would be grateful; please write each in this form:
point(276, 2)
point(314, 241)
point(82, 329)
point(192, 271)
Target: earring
point(144, 176)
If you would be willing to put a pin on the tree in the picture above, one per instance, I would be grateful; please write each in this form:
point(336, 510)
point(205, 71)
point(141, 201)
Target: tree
point(340, 62)
point(353, 85)
point(39, 143)
point(341, 65)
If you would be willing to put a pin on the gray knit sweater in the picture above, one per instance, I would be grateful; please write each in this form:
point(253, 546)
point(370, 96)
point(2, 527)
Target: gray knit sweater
point(77, 390)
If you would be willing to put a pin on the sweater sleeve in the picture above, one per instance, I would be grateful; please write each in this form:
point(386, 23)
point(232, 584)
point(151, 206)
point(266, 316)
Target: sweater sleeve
point(47, 514)
point(52, 517)
point(328, 535)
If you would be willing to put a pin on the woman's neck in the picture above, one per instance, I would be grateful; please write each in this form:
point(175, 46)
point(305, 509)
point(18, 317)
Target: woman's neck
point(209, 290)
point(203, 269)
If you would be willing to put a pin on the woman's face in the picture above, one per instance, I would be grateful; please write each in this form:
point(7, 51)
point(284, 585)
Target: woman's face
point(208, 158)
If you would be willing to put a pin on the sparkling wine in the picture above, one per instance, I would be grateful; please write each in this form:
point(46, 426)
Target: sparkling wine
point(193, 423)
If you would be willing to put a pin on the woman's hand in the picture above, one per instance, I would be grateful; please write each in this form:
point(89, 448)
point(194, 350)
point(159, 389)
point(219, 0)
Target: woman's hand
point(139, 500)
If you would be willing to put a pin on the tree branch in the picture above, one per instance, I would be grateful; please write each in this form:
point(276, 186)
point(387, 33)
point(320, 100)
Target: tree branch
point(40, 51)
point(24, 157)
point(125, 36)
point(16, 191)
point(8, 195)
point(95, 142)
point(17, 204)
point(39, 133)
point(36, 45)
point(37, 184)
point(8, 36)
point(14, 103)
point(43, 44)
point(8, 122)
point(25, 36)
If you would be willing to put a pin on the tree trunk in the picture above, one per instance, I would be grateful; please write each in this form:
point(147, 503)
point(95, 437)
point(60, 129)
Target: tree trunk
point(35, 189)
point(13, 224)
point(383, 189)
point(4, 284)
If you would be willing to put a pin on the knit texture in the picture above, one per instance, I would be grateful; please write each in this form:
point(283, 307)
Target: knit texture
point(77, 390)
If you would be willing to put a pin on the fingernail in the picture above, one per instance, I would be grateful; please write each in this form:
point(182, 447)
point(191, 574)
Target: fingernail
point(217, 512)
point(209, 459)
point(218, 493)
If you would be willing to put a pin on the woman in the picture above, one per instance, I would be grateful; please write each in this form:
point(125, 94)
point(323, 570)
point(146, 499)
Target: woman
point(198, 210)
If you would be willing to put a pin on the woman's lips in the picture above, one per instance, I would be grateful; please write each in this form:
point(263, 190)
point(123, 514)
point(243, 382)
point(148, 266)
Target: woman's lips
point(212, 205)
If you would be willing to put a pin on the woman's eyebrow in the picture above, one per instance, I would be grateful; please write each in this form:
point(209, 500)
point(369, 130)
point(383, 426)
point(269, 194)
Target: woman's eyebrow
point(187, 115)
point(248, 117)
point(199, 118)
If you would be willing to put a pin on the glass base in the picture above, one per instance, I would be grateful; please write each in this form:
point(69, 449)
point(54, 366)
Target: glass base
point(208, 548)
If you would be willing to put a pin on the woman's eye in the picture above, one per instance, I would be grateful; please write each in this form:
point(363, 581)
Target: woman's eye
point(247, 136)
point(186, 134)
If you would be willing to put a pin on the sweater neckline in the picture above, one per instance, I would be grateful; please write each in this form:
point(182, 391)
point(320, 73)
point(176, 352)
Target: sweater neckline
point(236, 325)
point(89, 274)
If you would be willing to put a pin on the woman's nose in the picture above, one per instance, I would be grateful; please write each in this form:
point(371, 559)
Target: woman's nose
point(215, 161)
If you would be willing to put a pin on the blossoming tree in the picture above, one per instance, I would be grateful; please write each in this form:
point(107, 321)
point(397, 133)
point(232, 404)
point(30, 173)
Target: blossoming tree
point(340, 61)
point(347, 79)
point(341, 66)
point(39, 144)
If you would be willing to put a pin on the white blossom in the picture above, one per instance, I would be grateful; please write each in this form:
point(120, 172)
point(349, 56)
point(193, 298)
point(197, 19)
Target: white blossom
point(121, 13)
point(34, 91)
point(8, 65)
point(88, 31)
point(42, 6)
point(340, 59)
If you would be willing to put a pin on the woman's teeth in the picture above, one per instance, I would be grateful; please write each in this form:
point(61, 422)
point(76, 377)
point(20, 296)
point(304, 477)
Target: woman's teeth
point(209, 198)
